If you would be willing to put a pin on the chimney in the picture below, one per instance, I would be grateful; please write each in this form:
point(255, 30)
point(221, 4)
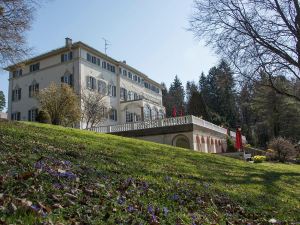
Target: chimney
point(124, 61)
point(68, 42)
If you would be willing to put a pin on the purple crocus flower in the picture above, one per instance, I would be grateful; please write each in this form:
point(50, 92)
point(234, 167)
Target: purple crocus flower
point(150, 209)
point(121, 200)
point(130, 208)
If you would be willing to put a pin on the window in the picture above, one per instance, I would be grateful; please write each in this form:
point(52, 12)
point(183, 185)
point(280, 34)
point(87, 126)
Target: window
point(113, 69)
point(103, 64)
point(113, 115)
point(68, 79)
point(16, 116)
point(125, 73)
point(32, 114)
point(147, 113)
point(120, 70)
point(129, 75)
point(17, 73)
point(98, 62)
point(134, 77)
point(94, 60)
point(146, 85)
point(155, 113)
point(123, 94)
point(33, 89)
point(161, 114)
point(34, 67)
point(101, 87)
point(16, 94)
point(91, 83)
point(129, 117)
point(66, 57)
point(108, 66)
point(112, 90)
point(88, 57)
point(136, 97)
point(130, 96)
point(139, 80)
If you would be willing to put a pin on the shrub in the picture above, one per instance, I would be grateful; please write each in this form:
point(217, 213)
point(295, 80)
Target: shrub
point(259, 158)
point(283, 149)
point(43, 117)
point(230, 145)
point(62, 104)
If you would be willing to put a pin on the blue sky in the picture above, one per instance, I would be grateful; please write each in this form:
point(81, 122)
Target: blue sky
point(151, 35)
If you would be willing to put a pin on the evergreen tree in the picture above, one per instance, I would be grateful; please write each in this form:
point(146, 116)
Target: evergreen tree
point(176, 96)
point(196, 106)
point(166, 100)
point(218, 91)
point(191, 87)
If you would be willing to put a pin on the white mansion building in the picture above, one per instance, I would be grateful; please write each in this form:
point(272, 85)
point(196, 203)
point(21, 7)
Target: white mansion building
point(135, 100)
point(131, 95)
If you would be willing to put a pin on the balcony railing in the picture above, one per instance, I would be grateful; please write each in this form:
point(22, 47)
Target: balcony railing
point(167, 122)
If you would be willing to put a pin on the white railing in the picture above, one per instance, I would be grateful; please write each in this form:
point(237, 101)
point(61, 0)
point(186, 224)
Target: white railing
point(173, 121)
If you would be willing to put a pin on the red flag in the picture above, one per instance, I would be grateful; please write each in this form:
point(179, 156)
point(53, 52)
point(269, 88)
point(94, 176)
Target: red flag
point(238, 139)
point(174, 112)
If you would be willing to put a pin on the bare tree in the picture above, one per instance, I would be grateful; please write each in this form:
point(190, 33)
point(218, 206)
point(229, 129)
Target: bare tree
point(94, 108)
point(15, 19)
point(256, 35)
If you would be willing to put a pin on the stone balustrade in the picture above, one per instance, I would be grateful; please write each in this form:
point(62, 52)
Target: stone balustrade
point(166, 122)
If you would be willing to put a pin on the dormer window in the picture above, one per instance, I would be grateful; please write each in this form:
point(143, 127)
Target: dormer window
point(66, 57)
point(34, 67)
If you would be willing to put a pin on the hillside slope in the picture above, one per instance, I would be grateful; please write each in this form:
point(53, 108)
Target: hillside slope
point(53, 174)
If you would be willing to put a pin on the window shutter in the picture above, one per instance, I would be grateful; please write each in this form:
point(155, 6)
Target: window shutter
point(62, 58)
point(29, 115)
point(104, 91)
point(70, 55)
point(88, 82)
point(20, 94)
point(13, 95)
point(115, 91)
point(30, 89)
point(62, 79)
point(109, 90)
point(71, 80)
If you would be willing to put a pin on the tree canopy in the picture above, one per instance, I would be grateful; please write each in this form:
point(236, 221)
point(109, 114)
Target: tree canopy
point(16, 17)
point(257, 36)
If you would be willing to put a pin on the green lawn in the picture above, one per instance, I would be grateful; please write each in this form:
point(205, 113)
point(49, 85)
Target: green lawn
point(50, 173)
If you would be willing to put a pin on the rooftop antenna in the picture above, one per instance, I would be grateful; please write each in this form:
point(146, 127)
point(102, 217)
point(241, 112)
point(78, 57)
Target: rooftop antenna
point(106, 44)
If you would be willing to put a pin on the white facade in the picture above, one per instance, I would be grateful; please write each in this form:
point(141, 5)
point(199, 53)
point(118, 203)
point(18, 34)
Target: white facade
point(131, 94)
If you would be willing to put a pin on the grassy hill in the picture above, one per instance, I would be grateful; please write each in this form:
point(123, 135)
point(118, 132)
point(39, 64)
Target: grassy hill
point(68, 176)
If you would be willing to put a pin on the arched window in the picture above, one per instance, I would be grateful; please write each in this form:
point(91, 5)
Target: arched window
point(154, 113)
point(147, 113)
point(161, 114)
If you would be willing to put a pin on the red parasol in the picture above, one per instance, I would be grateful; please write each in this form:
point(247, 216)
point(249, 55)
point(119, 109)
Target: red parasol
point(238, 139)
